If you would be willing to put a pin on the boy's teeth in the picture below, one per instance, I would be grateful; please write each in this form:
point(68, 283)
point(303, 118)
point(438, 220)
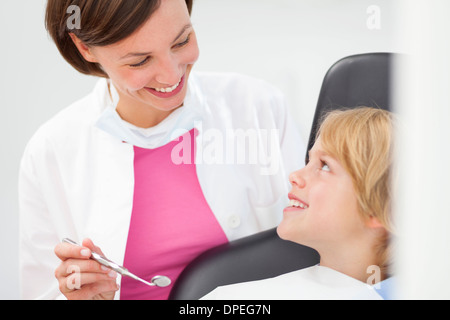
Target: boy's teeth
point(298, 204)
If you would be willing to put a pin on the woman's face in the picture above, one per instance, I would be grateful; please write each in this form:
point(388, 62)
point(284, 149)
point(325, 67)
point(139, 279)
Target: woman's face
point(151, 67)
point(323, 211)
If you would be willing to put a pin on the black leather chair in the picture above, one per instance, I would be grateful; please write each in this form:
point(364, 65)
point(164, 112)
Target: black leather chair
point(256, 257)
point(353, 81)
point(358, 80)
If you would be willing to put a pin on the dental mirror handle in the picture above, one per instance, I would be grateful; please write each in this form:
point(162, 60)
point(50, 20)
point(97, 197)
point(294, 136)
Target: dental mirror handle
point(158, 281)
point(101, 259)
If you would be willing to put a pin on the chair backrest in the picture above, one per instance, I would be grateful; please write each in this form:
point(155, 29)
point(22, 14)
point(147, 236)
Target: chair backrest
point(260, 256)
point(354, 81)
point(359, 80)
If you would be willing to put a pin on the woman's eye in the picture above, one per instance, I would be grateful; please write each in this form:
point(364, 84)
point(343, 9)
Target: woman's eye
point(140, 64)
point(185, 42)
point(179, 45)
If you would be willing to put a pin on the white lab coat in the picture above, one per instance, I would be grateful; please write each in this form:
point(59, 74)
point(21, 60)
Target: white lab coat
point(77, 181)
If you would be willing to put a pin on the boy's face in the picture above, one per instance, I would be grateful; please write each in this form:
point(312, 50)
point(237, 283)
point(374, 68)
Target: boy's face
point(323, 211)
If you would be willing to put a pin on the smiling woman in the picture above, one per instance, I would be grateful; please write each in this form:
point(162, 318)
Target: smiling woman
point(103, 167)
point(120, 42)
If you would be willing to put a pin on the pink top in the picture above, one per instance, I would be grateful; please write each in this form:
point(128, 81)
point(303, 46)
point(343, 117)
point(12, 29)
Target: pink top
point(171, 222)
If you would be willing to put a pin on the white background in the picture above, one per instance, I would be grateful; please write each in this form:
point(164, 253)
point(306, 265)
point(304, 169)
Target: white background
point(289, 43)
point(422, 203)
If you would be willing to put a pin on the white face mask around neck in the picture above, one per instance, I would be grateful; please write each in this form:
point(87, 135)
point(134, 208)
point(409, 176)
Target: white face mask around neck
point(177, 123)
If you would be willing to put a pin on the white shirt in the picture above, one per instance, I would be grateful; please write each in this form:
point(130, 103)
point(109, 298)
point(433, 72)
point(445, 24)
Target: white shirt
point(77, 180)
point(314, 283)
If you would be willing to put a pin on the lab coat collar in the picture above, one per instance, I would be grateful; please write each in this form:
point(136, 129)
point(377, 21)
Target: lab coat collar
point(176, 124)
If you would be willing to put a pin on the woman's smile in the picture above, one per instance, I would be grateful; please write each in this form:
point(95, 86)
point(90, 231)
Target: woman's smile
point(167, 92)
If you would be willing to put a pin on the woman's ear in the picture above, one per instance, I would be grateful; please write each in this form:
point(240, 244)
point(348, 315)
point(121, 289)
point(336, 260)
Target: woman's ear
point(84, 50)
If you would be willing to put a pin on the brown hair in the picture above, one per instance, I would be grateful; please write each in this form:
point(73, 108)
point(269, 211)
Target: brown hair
point(362, 141)
point(102, 23)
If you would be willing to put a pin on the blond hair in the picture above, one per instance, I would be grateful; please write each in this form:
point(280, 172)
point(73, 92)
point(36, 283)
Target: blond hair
point(361, 140)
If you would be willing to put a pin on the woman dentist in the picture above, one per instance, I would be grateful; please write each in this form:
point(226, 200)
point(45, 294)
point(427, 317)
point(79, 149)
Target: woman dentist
point(156, 165)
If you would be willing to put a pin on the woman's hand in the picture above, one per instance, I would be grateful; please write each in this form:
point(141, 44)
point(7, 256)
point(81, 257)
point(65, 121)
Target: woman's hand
point(81, 278)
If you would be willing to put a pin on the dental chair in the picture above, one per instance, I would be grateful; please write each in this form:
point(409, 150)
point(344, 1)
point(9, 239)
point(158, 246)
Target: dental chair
point(359, 80)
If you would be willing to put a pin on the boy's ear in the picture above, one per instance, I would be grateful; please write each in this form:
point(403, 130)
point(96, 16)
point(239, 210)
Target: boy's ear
point(373, 223)
point(84, 50)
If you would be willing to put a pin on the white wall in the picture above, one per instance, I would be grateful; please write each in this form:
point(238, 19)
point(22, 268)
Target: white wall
point(424, 151)
point(290, 43)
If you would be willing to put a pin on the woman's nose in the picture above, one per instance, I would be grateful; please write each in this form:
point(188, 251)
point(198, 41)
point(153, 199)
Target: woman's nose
point(169, 71)
point(297, 179)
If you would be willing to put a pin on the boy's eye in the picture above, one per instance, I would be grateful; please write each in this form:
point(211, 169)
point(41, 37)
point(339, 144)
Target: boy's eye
point(325, 166)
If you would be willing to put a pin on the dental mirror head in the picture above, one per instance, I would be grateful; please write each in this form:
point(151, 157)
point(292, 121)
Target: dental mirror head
point(157, 281)
point(161, 281)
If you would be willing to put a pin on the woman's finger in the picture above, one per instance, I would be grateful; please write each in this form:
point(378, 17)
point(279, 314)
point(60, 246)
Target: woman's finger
point(88, 243)
point(87, 285)
point(70, 266)
point(66, 251)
